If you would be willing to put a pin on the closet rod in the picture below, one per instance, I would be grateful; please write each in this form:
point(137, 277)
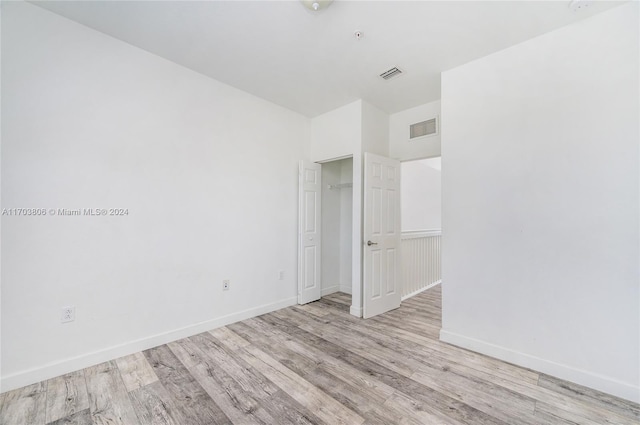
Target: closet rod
point(339, 186)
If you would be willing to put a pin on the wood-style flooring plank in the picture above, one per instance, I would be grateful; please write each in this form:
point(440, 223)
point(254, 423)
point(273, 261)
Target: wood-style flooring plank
point(311, 366)
point(376, 390)
point(290, 411)
point(24, 406)
point(83, 417)
point(313, 309)
point(249, 379)
point(420, 352)
point(317, 401)
point(508, 406)
point(576, 414)
point(340, 297)
point(440, 367)
point(431, 349)
point(593, 397)
point(418, 411)
point(191, 400)
point(136, 371)
point(155, 406)
point(333, 304)
point(230, 338)
point(109, 402)
point(227, 386)
point(66, 395)
point(420, 393)
point(359, 345)
point(542, 396)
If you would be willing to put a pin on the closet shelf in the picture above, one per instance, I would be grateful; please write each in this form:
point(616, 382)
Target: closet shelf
point(339, 186)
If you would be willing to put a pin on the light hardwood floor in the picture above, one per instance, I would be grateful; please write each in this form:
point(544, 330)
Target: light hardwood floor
point(314, 364)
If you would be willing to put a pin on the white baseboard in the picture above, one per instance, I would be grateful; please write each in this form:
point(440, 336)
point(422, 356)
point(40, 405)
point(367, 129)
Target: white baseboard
point(414, 293)
point(579, 376)
point(336, 288)
point(330, 290)
point(51, 370)
point(346, 289)
point(355, 311)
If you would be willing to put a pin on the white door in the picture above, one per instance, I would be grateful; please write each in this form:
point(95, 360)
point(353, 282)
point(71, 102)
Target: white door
point(309, 221)
point(381, 235)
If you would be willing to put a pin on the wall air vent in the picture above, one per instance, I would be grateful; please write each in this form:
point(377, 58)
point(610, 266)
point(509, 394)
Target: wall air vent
point(424, 128)
point(391, 73)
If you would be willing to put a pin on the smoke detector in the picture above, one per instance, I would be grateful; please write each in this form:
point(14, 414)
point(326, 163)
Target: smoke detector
point(316, 5)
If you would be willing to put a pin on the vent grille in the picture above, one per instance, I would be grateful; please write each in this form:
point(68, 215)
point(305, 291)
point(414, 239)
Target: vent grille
point(389, 74)
point(424, 128)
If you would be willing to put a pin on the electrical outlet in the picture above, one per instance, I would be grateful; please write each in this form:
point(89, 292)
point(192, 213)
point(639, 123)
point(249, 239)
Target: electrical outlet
point(577, 5)
point(281, 275)
point(68, 314)
point(225, 285)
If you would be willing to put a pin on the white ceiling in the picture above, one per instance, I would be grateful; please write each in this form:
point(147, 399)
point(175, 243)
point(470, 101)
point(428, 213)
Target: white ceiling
point(311, 62)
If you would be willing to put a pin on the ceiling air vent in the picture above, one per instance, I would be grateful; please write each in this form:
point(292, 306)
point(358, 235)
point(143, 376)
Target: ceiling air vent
point(424, 128)
point(389, 74)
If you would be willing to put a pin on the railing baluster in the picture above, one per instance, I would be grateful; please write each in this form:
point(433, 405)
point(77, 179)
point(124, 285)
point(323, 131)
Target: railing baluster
point(420, 261)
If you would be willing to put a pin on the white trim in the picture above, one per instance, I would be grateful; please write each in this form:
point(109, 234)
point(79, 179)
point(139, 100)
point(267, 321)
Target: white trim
point(414, 293)
point(346, 288)
point(337, 288)
point(356, 237)
point(51, 370)
point(579, 376)
point(355, 311)
point(330, 290)
point(414, 234)
point(337, 158)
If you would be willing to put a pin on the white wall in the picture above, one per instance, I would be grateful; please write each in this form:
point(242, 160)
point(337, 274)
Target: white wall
point(0, 205)
point(207, 172)
point(399, 145)
point(375, 130)
point(421, 195)
point(346, 226)
point(337, 133)
point(540, 203)
point(354, 128)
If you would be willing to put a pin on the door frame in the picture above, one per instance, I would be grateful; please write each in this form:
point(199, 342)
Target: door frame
point(356, 231)
point(357, 238)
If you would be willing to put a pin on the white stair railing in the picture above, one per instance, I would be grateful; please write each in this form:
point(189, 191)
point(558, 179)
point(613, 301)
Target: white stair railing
point(420, 261)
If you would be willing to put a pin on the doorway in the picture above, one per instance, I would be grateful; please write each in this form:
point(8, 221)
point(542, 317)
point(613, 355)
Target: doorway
point(421, 225)
point(337, 226)
point(362, 220)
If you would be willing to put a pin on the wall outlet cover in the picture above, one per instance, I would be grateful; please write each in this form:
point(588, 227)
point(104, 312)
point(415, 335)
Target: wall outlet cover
point(68, 314)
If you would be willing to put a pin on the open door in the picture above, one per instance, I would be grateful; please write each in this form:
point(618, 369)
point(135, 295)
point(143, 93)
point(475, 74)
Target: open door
point(309, 223)
point(381, 221)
